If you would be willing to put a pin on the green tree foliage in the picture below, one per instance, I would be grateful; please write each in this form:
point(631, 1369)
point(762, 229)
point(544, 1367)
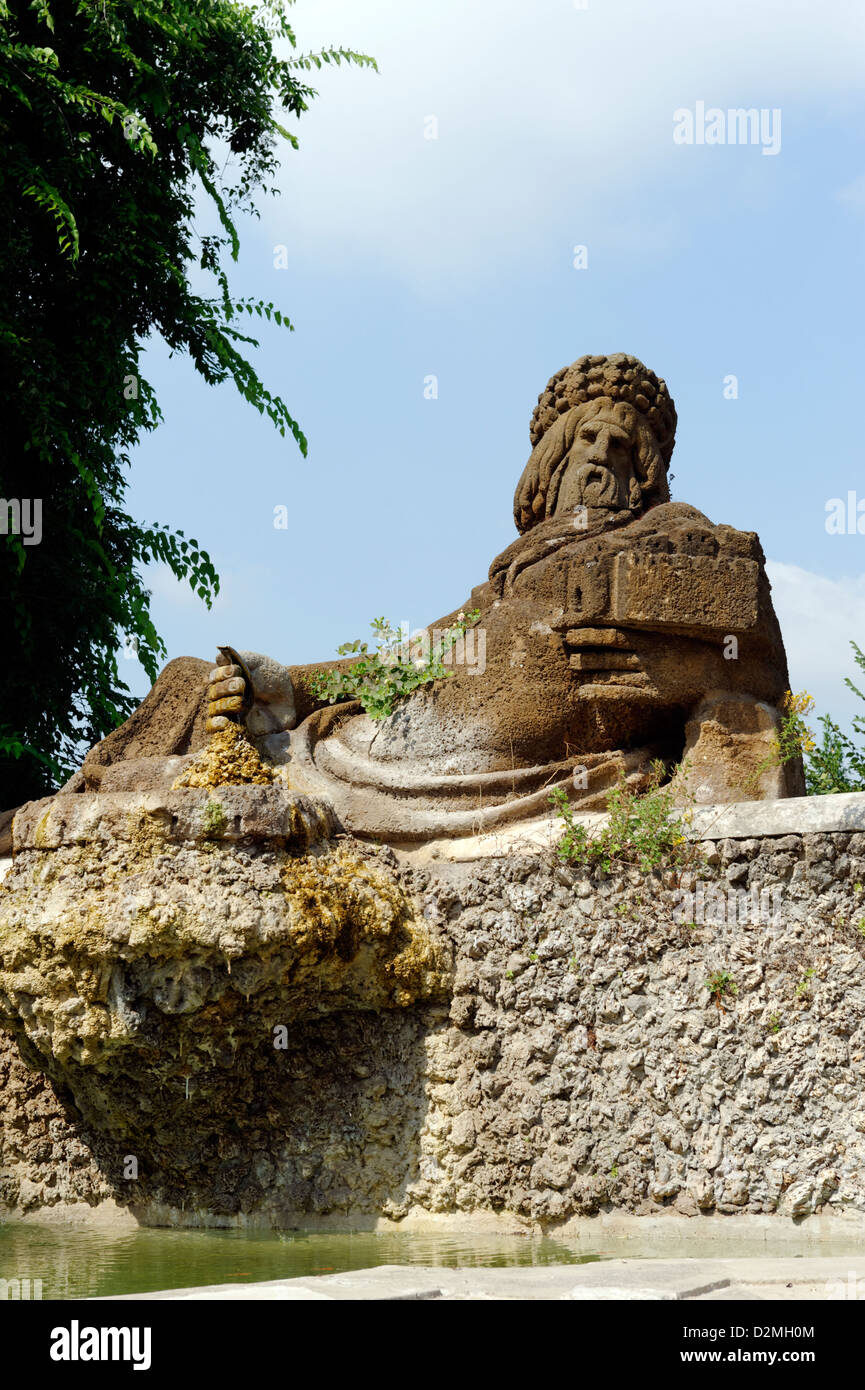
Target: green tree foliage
point(837, 762)
point(115, 115)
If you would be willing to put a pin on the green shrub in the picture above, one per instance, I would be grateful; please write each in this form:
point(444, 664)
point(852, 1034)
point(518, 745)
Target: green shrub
point(644, 829)
point(719, 984)
point(388, 673)
point(837, 763)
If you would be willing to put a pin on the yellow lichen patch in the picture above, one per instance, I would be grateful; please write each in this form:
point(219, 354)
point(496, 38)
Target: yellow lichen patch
point(145, 836)
point(139, 948)
point(40, 838)
point(228, 760)
point(340, 905)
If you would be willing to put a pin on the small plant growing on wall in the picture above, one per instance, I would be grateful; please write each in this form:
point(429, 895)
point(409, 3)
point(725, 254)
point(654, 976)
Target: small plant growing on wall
point(803, 988)
point(719, 985)
point(395, 666)
point(644, 829)
point(837, 763)
point(213, 820)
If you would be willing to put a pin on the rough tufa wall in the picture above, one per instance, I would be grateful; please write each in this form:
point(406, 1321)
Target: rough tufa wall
point(577, 1063)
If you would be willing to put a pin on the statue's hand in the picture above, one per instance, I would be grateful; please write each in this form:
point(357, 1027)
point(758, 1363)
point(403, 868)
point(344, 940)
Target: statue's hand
point(258, 693)
point(226, 696)
point(273, 708)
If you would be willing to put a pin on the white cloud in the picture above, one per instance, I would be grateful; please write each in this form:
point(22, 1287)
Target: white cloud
point(554, 123)
point(819, 617)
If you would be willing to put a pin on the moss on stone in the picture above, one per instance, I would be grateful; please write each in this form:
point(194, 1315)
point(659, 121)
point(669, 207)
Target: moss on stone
point(228, 760)
point(343, 904)
point(213, 821)
point(145, 949)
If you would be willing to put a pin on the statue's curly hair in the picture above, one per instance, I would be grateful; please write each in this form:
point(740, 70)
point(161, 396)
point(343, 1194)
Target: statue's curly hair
point(577, 392)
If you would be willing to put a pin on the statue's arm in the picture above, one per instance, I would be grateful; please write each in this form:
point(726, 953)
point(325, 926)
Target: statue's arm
point(305, 701)
point(271, 697)
point(281, 697)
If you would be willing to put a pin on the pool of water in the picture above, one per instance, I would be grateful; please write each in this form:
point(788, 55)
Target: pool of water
point(75, 1262)
point(89, 1262)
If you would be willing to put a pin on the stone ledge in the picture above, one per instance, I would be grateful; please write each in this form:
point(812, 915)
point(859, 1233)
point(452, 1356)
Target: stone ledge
point(273, 813)
point(750, 820)
point(735, 820)
point(619, 1280)
point(794, 815)
point(189, 814)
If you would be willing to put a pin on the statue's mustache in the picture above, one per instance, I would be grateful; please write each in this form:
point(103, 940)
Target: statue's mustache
point(596, 486)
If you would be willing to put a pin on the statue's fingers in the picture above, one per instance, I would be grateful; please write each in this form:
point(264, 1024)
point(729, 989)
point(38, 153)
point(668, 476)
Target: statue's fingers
point(232, 704)
point(235, 685)
point(219, 721)
point(221, 673)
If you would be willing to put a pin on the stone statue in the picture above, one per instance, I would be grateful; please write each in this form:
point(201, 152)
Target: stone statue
point(618, 628)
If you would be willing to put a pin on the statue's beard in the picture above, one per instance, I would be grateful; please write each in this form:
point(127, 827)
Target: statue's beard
point(591, 485)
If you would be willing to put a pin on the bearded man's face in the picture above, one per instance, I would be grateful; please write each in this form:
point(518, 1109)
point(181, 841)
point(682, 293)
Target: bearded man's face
point(599, 467)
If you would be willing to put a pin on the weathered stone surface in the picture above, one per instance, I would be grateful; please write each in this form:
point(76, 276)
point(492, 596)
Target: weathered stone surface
point(144, 973)
point(255, 686)
point(262, 813)
point(6, 818)
point(155, 773)
point(169, 721)
point(229, 760)
point(787, 819)
point(756, 1279)
point(582, 1065)
point(597, 380)
point(103, 942)
point(618, 628)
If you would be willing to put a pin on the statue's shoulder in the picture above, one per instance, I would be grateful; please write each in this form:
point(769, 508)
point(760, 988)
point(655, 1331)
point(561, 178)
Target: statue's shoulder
point(669, 514)
point(690, 530)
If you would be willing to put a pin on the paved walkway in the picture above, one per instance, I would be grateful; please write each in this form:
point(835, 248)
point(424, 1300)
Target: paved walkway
point(797, 1278)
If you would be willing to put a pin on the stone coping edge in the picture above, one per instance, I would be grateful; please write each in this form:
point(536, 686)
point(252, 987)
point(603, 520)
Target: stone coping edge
point(189, 814)
point(794, 815)
point(736, 820)
point(274, 813)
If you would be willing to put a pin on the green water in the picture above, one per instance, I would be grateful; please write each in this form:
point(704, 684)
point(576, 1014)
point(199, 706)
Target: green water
point(81, 1263)
point(88, 1262)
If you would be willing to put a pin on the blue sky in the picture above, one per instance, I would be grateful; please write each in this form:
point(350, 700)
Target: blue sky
point(454, 257)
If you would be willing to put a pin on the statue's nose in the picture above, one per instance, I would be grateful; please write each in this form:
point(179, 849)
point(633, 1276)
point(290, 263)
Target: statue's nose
point(600, 450)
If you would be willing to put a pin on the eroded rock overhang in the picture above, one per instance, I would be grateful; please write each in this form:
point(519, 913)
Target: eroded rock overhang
point(167, 932)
